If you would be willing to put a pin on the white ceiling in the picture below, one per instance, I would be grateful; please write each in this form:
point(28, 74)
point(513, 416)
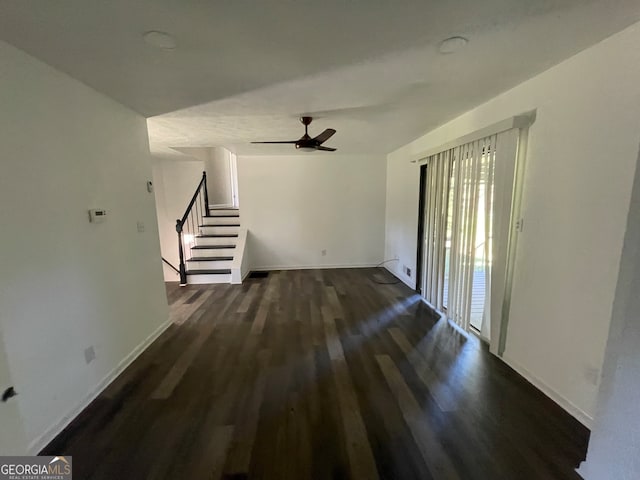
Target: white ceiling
point(245, 70)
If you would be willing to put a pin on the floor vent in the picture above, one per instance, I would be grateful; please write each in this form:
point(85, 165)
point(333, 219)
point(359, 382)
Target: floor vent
point(258, 274)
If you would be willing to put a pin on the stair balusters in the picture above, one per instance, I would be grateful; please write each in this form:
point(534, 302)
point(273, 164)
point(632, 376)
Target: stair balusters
point(188, 226)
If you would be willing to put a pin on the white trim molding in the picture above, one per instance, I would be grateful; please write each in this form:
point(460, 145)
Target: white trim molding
point(50, 433)
point(312, 267)
point(240, 265)
point(517, 121)
point(557, 398)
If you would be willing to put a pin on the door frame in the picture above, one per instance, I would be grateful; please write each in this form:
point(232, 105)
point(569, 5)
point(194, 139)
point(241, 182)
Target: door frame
point(233, 179)
point(420, 248)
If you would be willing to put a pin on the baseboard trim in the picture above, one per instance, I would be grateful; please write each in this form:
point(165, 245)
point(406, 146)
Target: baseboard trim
point(409, 282)
point(563, 402)
point(313, 267)
point(566, 404)
point(54, 430)
point(242, 278)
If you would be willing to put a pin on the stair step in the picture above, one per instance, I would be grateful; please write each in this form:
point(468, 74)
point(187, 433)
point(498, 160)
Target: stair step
point(216, 240)
point(222, 215)
point(209, 259)
point(196, 277)
point(217, 235)
point(219, 229)
point(213, 251)
point(219, 271)
point(221, 220)
point(209, 263)
point(224, 211)
point(221, 225)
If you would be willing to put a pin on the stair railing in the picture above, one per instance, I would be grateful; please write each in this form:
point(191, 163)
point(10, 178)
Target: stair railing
point(189, 225)
point(171, 265)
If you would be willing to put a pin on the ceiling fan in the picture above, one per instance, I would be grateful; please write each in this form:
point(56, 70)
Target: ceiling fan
point(308, 144)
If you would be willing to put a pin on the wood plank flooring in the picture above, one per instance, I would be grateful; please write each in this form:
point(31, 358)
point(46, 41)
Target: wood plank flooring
point(318, 374)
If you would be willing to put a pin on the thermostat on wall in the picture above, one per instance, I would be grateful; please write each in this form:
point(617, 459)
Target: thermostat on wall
point(97, 215)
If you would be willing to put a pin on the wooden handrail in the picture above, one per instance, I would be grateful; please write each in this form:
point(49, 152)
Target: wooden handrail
point(202, 184)
point(170, 264)
point(201, 188)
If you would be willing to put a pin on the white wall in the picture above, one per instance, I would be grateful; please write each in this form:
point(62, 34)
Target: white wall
point(614, 441)
point(68, 284)
point(581, 160)
point(12, 437)
point(295, 206)
point(218, 170)
point(174, 182)
point(217, 163)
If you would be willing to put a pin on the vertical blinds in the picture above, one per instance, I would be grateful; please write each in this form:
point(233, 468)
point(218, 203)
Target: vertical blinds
point(458, 227)
point(439, 169)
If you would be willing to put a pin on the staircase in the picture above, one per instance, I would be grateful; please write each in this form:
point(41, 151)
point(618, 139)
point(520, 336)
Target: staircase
point(210, 242)
point(214, 247)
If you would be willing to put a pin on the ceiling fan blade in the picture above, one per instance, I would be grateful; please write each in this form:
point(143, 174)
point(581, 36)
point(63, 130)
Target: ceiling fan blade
point(282, 141)
point(325, 149)
point(324, 136)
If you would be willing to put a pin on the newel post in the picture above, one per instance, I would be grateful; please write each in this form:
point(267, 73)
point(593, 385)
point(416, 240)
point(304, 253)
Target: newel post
point(206, 193)
point(183, 268)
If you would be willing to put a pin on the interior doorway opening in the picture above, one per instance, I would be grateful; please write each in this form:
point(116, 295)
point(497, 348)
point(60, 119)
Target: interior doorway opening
point(222, 178)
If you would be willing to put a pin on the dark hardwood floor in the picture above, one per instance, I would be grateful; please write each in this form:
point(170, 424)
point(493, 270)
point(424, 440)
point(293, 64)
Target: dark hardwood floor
point(318, 374)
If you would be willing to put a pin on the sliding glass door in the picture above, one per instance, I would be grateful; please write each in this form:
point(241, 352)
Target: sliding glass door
point(458, 226)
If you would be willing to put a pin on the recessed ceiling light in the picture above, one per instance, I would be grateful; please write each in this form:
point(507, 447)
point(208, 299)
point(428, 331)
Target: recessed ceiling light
point(452, 45)
point(160, 40)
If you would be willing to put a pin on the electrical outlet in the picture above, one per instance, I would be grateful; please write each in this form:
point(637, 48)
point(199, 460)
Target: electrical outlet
point(140, 227)
point(324, 253)
point(408, 271)
point(89, 354)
